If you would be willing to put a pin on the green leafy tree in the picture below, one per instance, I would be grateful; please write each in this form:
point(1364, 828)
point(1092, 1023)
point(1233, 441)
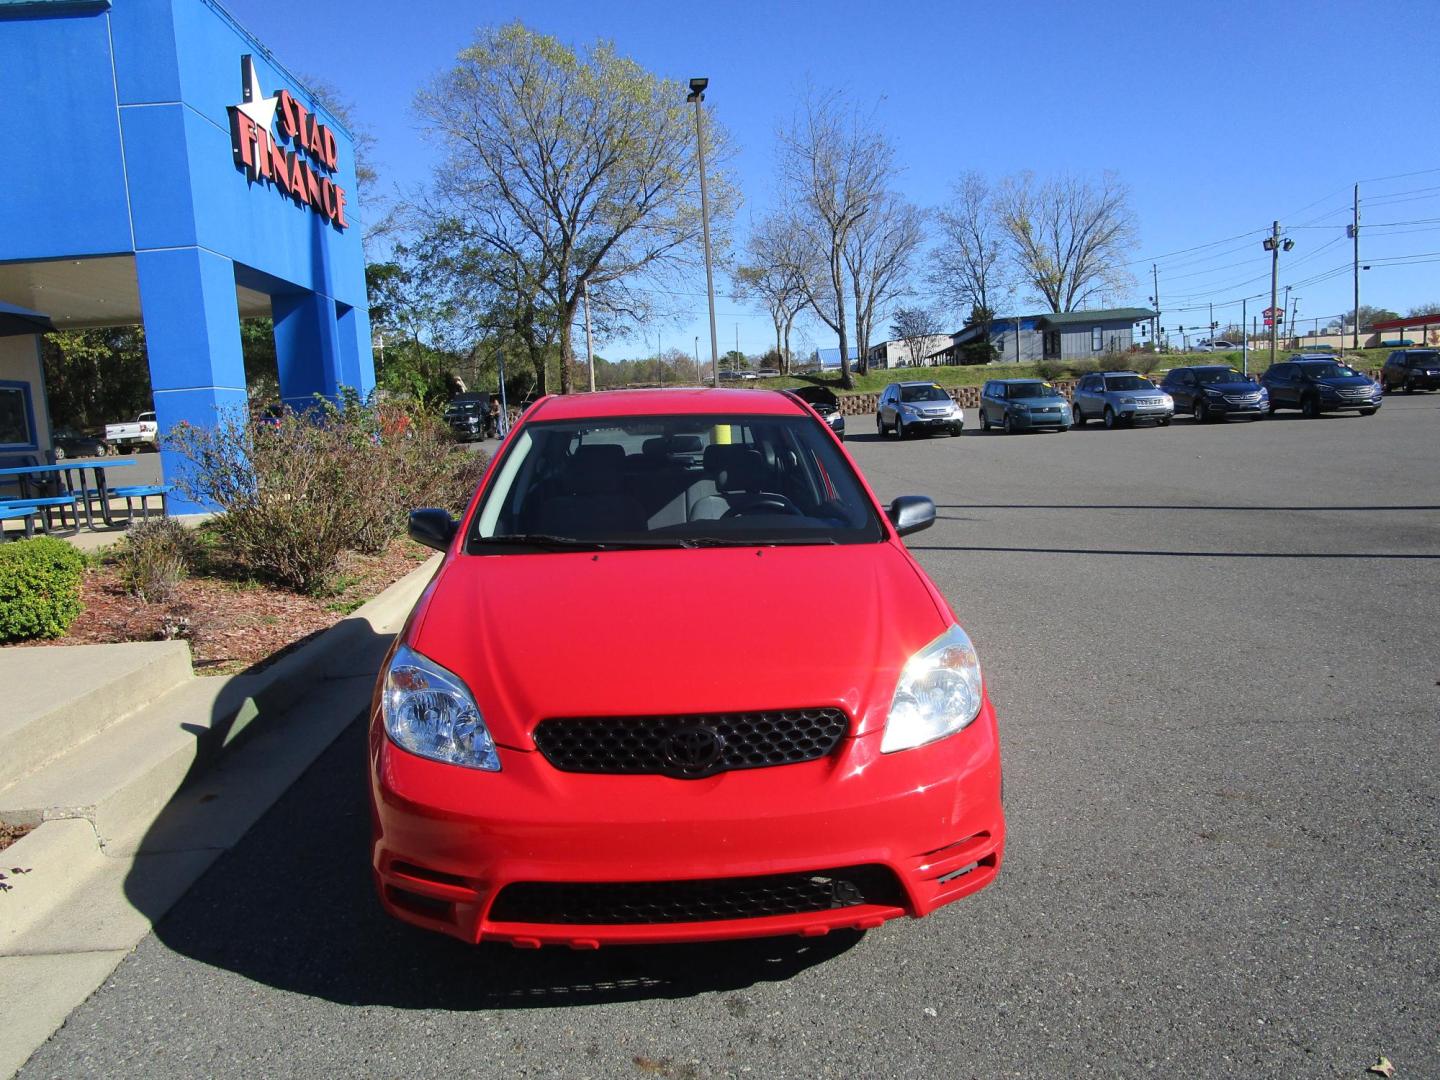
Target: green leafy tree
point(577, 168)
point(95, 377)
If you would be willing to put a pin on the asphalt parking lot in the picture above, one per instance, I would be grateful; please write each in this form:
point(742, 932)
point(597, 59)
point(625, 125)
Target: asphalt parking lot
point(1213, 650)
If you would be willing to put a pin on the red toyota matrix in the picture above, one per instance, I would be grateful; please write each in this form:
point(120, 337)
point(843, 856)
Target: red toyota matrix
point(679, 679)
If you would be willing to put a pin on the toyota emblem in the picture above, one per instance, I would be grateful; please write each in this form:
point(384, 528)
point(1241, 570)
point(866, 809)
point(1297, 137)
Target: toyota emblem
point(693, 751)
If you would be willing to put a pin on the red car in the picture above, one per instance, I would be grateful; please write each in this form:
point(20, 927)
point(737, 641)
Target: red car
point(678, 679)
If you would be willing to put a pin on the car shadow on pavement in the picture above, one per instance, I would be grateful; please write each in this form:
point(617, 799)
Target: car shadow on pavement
point(292, 906)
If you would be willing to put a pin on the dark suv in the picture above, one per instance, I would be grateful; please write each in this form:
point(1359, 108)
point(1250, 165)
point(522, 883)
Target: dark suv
point(1411, 370)
point(1319, 384)
point(469, 416)
point(1214, 391)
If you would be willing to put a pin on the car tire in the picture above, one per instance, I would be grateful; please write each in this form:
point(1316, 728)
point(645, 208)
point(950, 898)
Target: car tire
point(1368, 412)
point(900, 429)
point(955, 431)
point(102, 450)
point(1065, 428)
point(59, 453)
point(1310, 406)
point(1202, 411)
point(1164, 421)
point(1111, 421)
point(984, 421)
point(1077, 418)
point(879, 426)
point(1007, 425)
point(1409, 386)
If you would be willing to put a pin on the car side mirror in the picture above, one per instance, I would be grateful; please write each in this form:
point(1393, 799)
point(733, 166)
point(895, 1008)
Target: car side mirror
point(911, 513)
point(433, 528)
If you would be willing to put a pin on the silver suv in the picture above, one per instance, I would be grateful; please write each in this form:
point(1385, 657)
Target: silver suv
point(1121, 397)
point(910, 407)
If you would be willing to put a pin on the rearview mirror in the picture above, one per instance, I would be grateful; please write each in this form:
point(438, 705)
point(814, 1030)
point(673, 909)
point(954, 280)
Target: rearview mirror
point(433, 528)
point(911, 513)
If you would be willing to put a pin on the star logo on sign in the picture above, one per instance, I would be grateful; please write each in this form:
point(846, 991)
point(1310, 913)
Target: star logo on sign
point(256, 106)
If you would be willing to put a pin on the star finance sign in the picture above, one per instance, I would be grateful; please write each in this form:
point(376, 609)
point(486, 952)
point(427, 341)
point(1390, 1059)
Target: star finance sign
point(259, 129)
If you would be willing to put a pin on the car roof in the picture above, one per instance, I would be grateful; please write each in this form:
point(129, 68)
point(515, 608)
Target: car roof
point(917, 382)
point(1015, 382)
point(667, 402)
point(1136, 373)
point(1314, 358)
point(1206, 367)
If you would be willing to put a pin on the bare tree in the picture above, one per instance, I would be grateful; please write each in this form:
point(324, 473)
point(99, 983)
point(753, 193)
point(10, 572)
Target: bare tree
point(916, 327)
point(969, 268)
point(772, 276)
point(878, 257)
point(833, 166)
point(585, 161)
point(1068, 237)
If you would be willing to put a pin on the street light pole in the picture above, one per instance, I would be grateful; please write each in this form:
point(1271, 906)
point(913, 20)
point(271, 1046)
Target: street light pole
point(697, 95)
point(589, 344)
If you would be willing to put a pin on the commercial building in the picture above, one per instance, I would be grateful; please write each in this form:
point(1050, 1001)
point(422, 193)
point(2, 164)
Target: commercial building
point(164, 168)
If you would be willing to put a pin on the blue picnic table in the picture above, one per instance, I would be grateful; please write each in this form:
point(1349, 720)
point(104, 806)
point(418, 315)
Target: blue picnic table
point(72, 477)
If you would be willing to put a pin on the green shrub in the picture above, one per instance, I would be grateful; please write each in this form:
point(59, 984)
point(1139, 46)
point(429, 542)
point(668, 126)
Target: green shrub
point(156, 556)
point(39, 588)
point(298, 492)
point(1049, 370)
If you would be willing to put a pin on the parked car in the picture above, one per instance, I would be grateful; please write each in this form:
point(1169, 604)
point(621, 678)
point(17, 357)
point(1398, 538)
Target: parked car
point(911, 407)
point(142, 431)
point(1120, 397)
point(560, 752)
point(1023, 405)
point(69, 443)
point(823, 400)
point(1411, 370)
point(468, 416)
point(1215, 391)
point(1216, 346)
point(1319, 384)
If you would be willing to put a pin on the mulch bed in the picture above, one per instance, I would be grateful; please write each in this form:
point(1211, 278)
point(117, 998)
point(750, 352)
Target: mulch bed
point(232, 625)
point(8, 835)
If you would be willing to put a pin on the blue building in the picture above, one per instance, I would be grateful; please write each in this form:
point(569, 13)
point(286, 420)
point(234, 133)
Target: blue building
point(163, 168)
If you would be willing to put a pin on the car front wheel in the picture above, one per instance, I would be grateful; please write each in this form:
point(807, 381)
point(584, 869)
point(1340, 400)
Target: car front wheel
point(1310, 407)
point(1077, 418)
point(1110, 420)
point(984, 420)
point(1202, 411)
point(1409, 386)
point(879, 426)
point(1008, 425)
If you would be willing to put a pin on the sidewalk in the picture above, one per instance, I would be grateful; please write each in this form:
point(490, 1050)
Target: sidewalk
point(134, 814)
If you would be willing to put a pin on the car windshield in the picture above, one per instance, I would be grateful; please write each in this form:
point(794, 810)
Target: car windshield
point(1029, 390)
point(672, 481)
point(1211, 376)
point(923, 393)
point(1424, 359)
point(1128, 382)
point(1327, 370)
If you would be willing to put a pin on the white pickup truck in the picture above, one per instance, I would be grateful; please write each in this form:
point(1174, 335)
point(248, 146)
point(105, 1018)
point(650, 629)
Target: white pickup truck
point(141, 430)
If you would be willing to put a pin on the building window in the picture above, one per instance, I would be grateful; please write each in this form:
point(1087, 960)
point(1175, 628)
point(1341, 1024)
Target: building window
point(17, 417)
point(1097, 339)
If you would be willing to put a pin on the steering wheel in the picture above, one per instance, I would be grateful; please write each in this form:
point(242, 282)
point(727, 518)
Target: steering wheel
point(764, 504)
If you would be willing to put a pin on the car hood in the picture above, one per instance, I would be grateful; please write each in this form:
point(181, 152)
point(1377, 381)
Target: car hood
point(677, 631)
point(1347, 380)
point(1241, 387)
point(1043, 402)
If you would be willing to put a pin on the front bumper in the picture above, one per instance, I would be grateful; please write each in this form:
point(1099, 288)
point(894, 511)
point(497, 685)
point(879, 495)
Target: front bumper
point(1420, 381)
point(1033, 421)
point(837, 424)
point(1224, 407)
point(1145, 412)
point(1330, 404)
point(448, 841)
point(955, 422)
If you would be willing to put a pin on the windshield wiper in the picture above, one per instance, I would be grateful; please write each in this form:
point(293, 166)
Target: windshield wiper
point(732, 541)
point(551, 542)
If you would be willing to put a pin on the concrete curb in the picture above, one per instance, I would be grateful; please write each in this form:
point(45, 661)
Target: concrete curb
point(65, 931)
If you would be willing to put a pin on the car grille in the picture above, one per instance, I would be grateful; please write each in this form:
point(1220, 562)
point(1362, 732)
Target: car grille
point(1355, 391)
point(1047, 409)
point(937, 412)
point(716, 899)
point(689, 747)
point(1242, 399)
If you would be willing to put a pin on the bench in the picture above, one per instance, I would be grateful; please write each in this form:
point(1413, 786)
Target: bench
point(143, 492)
point(15, 508)
point(26, 514)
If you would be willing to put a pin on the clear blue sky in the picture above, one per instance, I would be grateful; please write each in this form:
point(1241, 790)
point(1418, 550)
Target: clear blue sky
point(1221, 117)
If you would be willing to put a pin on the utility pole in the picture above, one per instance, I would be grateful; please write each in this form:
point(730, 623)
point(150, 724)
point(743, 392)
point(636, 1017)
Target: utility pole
point(1274, 282)
point(1294, 336)
point(1355, 235)
point(697, 95)
point(697, 360)
point(1154, 321)
point(1244, 340)
point(589, 344)
point(1284, 311)
point(1212, 324)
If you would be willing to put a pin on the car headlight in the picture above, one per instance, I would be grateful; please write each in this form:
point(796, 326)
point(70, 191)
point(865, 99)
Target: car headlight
point(430, 712)
point(1326, 388)
point(1213, 390)
point(938, 694)
point(1127, 401)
